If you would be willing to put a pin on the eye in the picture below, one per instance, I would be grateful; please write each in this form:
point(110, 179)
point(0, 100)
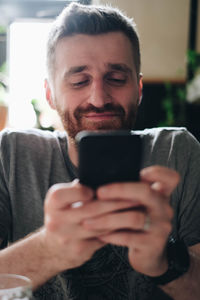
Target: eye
point(79, 84)
point(116, 79)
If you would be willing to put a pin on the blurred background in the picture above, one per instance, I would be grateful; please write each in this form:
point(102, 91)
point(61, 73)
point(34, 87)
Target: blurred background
point(169, 33)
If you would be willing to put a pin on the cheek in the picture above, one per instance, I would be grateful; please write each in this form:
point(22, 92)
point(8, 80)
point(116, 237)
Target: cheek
point(127, 98)
point(67, 100)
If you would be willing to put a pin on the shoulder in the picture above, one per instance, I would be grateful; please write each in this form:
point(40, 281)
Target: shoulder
point(162, 131)
point(32, 141)
point(169, 146)
point(176, 136)
point(30, 136)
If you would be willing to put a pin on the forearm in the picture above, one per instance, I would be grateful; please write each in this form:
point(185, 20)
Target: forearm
point(30, 258)
point(187, 286)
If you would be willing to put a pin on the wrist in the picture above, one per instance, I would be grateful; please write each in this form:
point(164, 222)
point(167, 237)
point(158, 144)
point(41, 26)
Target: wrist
point(161, 267)
point(47, 250)
point(178, 262)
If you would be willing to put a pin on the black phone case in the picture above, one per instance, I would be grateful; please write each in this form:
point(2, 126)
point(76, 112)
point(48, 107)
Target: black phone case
point(113, 156)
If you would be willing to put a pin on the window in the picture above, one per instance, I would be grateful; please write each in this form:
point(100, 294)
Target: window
point(27, 70)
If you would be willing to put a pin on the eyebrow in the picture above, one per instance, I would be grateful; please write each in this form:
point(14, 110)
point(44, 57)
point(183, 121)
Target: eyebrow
point(120, 67)
point(113, 67)
point(75, 70)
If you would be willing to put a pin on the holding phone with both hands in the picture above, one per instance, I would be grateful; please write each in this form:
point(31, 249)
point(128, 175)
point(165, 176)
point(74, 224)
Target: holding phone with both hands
point(106, 157)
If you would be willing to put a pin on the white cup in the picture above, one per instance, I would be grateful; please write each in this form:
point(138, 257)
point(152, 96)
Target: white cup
point(15, 287)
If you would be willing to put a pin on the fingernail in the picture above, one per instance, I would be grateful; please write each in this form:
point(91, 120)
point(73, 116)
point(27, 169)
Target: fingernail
point(77, 204)
point(144, 172)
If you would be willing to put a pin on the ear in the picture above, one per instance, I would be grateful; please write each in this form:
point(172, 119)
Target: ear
point(140, 89)
point(48, 93)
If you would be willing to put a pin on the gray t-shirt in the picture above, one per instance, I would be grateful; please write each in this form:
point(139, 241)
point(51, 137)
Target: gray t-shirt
point(31, 161)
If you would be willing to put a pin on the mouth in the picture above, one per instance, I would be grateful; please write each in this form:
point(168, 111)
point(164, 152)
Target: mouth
point(101, 116)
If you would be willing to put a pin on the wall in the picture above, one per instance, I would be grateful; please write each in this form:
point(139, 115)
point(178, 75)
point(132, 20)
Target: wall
point(163, 30)
point(163, 27)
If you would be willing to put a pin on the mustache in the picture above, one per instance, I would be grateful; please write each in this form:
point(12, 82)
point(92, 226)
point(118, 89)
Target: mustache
point(109, 107)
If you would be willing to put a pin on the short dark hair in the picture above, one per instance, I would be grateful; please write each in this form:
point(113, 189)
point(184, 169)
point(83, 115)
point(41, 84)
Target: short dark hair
point(92, 20)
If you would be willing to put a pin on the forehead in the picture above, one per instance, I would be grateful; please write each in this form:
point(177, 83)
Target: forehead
point(94, 51)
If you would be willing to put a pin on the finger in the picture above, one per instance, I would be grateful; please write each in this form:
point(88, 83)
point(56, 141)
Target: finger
point(156, 206)
point(141, 193)
point(62, 195)
point(134, 220)
point(97, 208)
point(67, 220)
point(142, 240)
point(70, 231)
point(163, 179)
point(123, 238)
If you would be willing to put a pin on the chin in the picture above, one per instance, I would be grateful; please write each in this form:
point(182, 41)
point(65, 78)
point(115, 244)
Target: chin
point(103, 125)
point(73, 130)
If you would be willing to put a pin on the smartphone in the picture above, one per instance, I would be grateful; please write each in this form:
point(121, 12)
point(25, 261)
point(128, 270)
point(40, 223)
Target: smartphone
point(106, 157)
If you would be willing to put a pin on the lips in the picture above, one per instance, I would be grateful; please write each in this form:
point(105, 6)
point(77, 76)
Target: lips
point(91, 113)
point(105, 115)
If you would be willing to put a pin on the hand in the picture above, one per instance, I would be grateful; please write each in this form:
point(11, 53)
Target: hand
point(67, 243)
point(64, 237)
point(150, 199)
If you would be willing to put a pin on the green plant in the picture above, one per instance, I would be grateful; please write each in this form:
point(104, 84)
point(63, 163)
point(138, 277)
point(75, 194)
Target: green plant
point(3, 84)
point(193, 60)
point(35, 104)
point(175, 101)
point(2, 29)
point(2, 94)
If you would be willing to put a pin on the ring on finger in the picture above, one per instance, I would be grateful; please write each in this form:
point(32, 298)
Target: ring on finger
point(147, 223)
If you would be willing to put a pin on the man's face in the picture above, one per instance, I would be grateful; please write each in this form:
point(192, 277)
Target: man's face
point(95, 85)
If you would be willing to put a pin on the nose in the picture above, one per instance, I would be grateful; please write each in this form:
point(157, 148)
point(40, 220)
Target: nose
point(99, 94)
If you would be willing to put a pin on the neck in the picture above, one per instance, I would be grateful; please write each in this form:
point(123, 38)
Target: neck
point(72, 150)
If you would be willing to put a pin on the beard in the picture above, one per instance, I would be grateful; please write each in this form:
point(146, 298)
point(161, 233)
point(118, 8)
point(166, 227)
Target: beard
point(75, 122)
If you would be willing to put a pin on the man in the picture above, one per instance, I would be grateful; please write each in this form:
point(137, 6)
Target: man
point(99, 249)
